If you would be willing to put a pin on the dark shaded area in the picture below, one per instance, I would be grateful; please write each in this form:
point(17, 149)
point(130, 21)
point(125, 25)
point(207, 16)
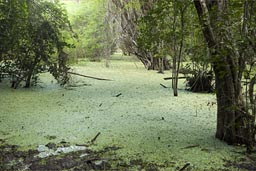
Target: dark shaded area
point(201, 81)
point(11, 158)
point(246, 163)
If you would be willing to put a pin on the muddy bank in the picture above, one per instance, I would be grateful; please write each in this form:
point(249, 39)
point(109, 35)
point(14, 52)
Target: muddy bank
point(11, 158)
point(81, 158)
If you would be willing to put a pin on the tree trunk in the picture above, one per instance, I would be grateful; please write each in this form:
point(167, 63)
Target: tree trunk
point(230, 107)
point(252, 95)
point(174, 77)
point(178, 55)
point(231, 113)
point(29, 73)
point(28, 79)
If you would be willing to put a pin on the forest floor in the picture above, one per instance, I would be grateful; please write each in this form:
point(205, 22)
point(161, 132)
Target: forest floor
point(142, 125)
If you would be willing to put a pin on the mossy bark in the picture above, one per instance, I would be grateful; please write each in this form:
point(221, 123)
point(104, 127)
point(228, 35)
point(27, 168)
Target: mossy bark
point(232, 117)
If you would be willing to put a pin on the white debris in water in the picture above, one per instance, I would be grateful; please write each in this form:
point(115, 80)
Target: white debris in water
point(46, 154)
point(100, 162)
point(83, 155)
point(42, 148)
point(70, 149)
point(45, 151)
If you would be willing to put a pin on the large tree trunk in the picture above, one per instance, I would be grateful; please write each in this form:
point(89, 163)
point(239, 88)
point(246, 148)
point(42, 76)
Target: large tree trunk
point(230, 106)
point(231, 113)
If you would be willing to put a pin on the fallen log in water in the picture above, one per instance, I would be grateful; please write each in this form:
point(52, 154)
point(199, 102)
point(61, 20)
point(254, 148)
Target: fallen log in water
point(170, 78)
point(96, 78)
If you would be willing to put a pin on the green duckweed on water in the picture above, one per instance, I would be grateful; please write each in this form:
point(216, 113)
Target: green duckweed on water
point(146, 121)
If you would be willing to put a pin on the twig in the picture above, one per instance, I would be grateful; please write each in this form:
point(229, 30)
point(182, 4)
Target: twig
point(184, 167)
point(191, 146)
point(170, 78)
point(118, 94)
point(79, 85)
point(163, 86)
point(96, 78)
point(94, 139)
point(82, 145)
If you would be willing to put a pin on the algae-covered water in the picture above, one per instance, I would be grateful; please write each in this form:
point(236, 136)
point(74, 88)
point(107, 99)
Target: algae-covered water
point(145, 120)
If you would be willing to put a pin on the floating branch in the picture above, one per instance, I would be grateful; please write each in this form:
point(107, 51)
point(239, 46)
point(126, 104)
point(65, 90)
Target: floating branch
point(163, 86)
point(118, 94)
point(184, 167)
point(170, 78)
point(94, 139)
point(79, 85)
point(191, 146)
point(96, 78)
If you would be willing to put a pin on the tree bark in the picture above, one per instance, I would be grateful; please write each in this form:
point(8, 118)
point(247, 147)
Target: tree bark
point(231, 114)
point(178, 55)
point(28, 79)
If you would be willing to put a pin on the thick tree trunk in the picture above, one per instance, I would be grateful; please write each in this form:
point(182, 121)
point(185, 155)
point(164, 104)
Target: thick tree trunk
point(230, 107)
point(231, 113)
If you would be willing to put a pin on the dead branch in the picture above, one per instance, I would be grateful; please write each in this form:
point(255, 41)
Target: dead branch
point(184, 167)
point(94, 139)
point(96, 78)
point(170, 78)
point(82, 145)
point(163, 86)
point(118, 95)
point(191, 146)
point(79, 85)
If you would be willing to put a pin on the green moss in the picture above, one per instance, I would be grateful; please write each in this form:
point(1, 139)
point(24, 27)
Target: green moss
point(42, 161)
point(132, 121)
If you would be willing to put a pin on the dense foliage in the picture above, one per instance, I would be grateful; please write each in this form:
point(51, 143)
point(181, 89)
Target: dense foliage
point(33, 35)
point(92, 22)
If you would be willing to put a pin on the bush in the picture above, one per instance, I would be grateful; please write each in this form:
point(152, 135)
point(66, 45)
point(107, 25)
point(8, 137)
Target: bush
point(36, 39)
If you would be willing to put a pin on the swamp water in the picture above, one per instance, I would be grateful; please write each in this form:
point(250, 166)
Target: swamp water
point(147, 124)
